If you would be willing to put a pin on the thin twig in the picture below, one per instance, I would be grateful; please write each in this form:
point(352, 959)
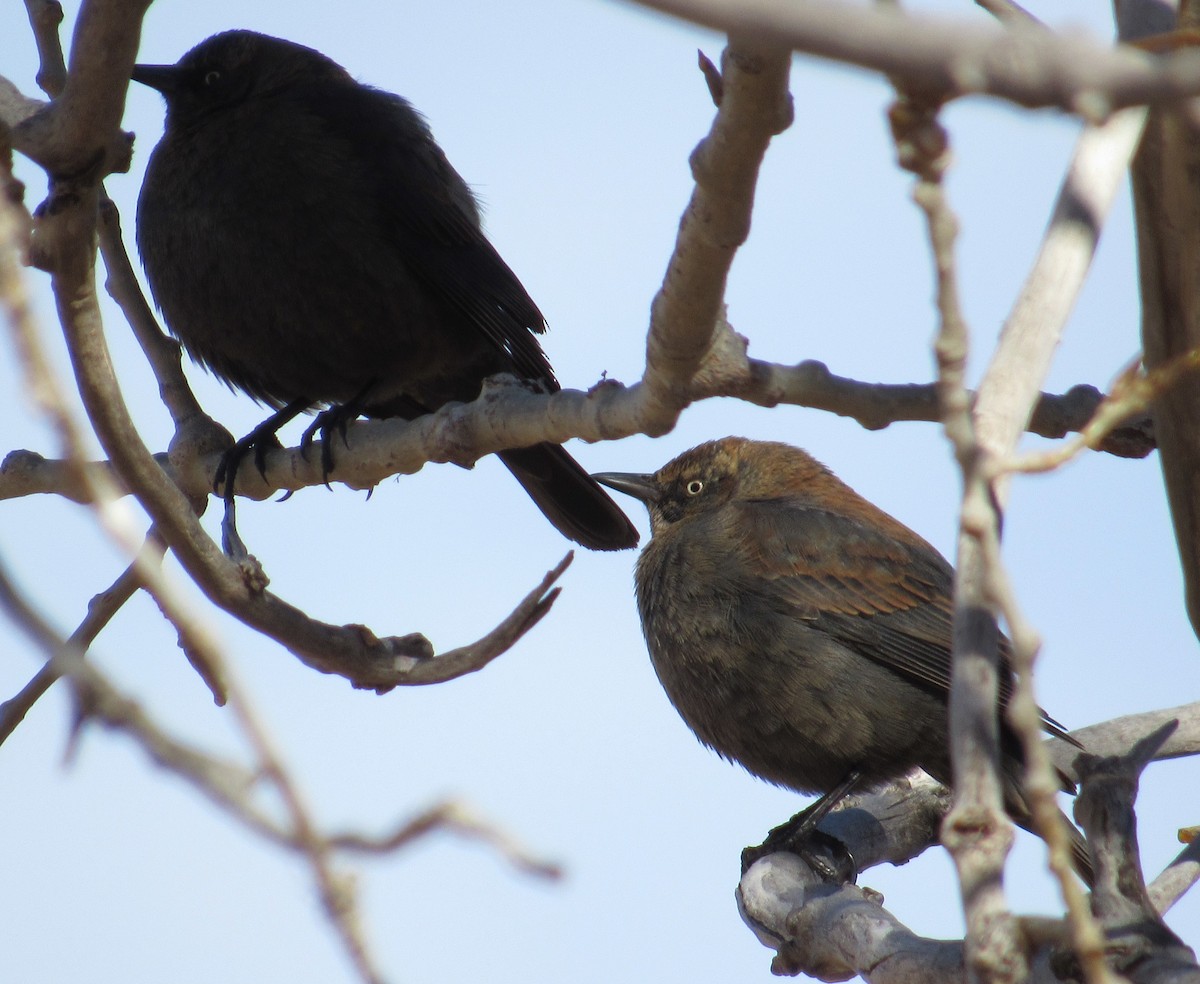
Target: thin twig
point(1009, 12)
point(1133, 392)
point(457, 818)
point(162, 353)
point(1041, 785)
point(1006, 397)
point(101, 610)
point(976, 831)
point(102, 495)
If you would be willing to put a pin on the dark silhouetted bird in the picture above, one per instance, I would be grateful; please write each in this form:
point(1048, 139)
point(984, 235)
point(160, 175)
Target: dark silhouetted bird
point(307, 241)
point(798, 629)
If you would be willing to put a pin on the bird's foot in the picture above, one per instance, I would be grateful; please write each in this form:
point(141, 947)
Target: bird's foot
point(227, 469)
point(327, 423)
point(333, 420)
point(825, 854)
point(260, 440)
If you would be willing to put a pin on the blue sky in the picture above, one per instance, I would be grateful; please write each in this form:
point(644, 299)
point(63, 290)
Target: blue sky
point(573, 121)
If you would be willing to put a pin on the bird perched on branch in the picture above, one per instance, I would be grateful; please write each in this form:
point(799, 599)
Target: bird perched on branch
point(800, 630)
point(308, 242)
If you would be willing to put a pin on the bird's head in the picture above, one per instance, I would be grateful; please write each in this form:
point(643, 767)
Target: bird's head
point(231, 68)
point(708, 476)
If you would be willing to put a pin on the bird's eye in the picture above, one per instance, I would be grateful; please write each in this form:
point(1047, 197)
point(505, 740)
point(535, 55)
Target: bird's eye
point(694, 487)
point(212, 78)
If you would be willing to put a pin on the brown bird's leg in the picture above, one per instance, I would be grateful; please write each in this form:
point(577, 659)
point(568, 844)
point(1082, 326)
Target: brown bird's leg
point(799, 836)
point(330, 420)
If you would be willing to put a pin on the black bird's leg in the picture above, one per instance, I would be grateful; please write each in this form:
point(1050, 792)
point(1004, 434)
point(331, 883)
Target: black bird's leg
point(334, 419)
point(261, 439)
point(800, 835)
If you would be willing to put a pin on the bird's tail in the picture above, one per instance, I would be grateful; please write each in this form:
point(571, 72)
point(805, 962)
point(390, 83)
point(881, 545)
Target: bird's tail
point(570, 498)
point(1081, 856)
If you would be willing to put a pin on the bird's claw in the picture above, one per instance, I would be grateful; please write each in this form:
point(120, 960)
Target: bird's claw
point(825, 854)
point(261, 440)
point(231, 460)
point(327, 423)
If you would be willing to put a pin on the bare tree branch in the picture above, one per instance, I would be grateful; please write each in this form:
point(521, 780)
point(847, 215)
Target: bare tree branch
point(28, 473)
point(1008, 12)
point(457, 818)
point(164, 354)
point(976, 831)
point(1117, 736)
point(833, 933)
point(1041, 781)
point(1175, 880)
point(379, 449)
point(683, 323)
point(1134, 391)
point(233, 788)
point(944, 58)
point(101, 610)
point(46, 394)
point(1034, 326)
point(76, 136)
point(1138, 941)
point(692, 353)
point(45, 17)
point(755, 106)
point(1167, 207)
point(353, 651)
point(894, 824)
point(1006, 397)
point(15, 107)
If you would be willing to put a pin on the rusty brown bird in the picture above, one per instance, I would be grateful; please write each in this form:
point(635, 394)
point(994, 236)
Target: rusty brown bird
point(798, 629)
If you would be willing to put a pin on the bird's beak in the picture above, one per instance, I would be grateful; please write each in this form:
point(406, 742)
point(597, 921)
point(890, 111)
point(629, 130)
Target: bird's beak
point(164, 78)
point(639, 486)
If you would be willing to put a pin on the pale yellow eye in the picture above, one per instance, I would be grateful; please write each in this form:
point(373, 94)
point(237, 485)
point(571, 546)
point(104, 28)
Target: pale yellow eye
point(694, 487)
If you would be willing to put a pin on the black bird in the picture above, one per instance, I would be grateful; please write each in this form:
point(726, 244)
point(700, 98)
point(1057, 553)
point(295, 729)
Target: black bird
point(308, 242)
point(800, 630)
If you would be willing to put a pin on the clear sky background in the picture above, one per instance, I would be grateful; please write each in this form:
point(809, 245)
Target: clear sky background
point(574, 121)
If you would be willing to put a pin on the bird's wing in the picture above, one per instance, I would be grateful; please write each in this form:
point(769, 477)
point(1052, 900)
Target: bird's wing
point(867, 581)
point(430, 216)
point(885, 598)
